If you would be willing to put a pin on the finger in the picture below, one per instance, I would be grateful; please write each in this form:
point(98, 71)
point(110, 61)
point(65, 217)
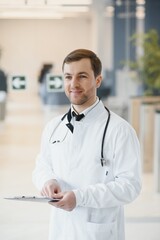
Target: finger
point(44, 192)
point(51, 191)
point(58, 195)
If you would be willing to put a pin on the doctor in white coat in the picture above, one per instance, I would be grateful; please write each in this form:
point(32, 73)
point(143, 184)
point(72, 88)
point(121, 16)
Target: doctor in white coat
point(91, 181)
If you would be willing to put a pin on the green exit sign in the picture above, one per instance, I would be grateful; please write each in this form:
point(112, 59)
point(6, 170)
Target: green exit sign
point(19, 82)
point(55, 83)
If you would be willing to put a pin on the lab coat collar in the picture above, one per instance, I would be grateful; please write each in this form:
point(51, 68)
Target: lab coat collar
point(91, 113)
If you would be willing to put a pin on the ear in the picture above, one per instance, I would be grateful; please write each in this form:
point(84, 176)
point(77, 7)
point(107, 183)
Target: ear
point(98, 81)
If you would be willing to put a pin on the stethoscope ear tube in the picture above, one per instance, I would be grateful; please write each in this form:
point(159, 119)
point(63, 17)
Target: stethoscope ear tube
point(103, 161)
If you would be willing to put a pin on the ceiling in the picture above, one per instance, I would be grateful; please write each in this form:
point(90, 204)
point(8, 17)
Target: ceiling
point(59, 9)
point(44, 9)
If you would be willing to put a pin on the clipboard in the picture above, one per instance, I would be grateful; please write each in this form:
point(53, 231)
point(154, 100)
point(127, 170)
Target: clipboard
point(32, 198)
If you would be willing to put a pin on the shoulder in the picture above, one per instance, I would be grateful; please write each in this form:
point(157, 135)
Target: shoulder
point(119, 124)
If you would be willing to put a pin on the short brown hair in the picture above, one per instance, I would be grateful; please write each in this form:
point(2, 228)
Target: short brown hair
point(79, 54)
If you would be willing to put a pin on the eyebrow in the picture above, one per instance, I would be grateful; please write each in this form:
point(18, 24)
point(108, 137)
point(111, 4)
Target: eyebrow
point(83, 73)
point(77, 74)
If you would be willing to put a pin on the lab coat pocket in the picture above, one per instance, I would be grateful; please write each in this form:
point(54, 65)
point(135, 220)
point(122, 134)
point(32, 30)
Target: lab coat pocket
point(102, 231)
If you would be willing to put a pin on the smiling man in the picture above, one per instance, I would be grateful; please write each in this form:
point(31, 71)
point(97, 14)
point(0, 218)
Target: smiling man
point(89, 159)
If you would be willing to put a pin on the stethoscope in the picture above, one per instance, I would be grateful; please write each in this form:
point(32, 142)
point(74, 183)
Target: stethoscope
point(103, 161)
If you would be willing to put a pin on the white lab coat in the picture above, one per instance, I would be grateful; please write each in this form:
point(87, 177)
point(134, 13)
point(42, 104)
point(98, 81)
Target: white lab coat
point(101, 192)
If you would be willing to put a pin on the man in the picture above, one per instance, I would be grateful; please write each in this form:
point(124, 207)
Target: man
point(93, 182)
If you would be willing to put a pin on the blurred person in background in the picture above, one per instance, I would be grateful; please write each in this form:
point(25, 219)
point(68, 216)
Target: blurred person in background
point(42, 80)
point(3, 81)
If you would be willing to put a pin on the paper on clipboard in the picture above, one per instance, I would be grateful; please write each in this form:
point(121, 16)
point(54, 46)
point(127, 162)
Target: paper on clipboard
point(33, 198)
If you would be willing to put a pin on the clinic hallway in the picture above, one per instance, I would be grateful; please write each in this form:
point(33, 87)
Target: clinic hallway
point(19, 144)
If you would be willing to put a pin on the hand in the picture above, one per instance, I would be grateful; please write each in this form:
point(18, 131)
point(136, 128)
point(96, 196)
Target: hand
point(67, 201)
point(51, 188)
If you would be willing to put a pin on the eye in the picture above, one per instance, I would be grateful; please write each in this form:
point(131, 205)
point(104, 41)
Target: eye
point(68, 77)
point(81, 76)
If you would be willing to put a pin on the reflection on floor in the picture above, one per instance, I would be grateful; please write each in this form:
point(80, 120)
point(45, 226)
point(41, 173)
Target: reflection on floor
point(19, 144)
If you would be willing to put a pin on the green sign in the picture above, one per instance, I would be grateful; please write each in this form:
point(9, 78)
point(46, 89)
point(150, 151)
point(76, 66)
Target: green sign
point(18, 82)
point(54, 83)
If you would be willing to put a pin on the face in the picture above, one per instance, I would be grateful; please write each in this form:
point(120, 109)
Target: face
point(80, 83)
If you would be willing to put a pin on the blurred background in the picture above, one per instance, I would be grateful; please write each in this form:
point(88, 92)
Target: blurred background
point(35, 36)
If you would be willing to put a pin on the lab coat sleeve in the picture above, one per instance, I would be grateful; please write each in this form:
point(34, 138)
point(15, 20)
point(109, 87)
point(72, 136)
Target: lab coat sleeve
point(126, 183)
point(43, 170)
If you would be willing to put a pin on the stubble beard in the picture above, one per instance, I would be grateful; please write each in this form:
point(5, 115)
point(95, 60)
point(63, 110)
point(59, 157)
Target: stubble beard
point(78, 101)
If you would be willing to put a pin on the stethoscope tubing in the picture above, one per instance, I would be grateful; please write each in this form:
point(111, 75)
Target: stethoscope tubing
point(103, 138)
point(103, 161)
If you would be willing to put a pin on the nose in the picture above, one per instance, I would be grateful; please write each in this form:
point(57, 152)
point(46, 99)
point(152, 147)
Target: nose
point(74, 82)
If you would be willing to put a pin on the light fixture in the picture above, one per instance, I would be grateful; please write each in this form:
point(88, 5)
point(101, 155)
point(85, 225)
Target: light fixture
point(140, 2)
point(119, 3)
point(42, 8)
point(109, 11)
point(140, 12)
point(70, 2)
point(29, 15)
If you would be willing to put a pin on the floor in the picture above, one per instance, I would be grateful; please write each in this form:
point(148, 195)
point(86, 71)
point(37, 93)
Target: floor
point(19, 143)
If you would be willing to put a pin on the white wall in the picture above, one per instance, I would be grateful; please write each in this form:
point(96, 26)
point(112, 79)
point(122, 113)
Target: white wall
point(27, 44)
